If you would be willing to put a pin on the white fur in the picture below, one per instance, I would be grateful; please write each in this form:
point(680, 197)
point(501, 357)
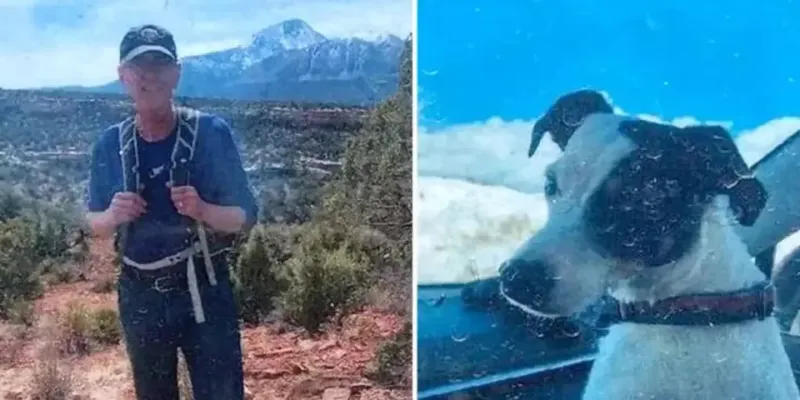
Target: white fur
point(737, 361)
point(744, 361)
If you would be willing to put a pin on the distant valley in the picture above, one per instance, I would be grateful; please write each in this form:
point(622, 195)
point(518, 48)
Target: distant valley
point(46, 138)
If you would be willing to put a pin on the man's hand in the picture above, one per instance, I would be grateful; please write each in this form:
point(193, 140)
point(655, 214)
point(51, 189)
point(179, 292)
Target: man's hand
point(188, 202)
point(221, 218)
point(126, 207)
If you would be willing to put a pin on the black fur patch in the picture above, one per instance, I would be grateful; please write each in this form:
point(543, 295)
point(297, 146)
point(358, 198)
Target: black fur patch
point(650, 206)
point(564, 117)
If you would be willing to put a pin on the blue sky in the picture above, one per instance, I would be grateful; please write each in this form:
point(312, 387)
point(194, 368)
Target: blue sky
point(713, 60)
point(60, 42)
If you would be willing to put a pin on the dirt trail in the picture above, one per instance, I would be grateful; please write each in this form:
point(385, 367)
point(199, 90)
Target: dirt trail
point(279, 364)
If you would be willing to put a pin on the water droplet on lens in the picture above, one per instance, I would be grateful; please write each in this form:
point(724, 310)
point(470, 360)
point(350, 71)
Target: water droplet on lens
point(459, 339)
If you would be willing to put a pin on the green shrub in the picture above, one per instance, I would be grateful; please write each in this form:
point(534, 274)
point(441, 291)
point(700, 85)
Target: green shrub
point(105, 327)
point(75, 330)
point(22, 312)
point(257, 275)
point(59, 272)
point(82, 330)
point(19, 264)
point(11, 204)
point(322, 282)
point(33, 240)
point(393, 360)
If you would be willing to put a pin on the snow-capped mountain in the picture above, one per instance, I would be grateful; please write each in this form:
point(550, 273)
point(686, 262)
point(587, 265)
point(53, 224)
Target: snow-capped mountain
point(290, 61)
point(293, 34)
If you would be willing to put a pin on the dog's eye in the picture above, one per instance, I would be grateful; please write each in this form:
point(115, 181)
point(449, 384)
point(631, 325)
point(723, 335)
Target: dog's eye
point(550, 185)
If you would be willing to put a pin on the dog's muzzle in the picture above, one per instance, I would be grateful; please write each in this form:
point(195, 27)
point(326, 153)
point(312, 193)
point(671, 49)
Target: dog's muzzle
point(527, 284)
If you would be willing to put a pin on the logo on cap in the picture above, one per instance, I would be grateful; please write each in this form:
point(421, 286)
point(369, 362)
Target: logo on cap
point(150, 35)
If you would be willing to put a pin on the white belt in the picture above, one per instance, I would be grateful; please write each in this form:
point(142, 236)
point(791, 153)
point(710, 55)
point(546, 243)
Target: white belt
point(191, 275)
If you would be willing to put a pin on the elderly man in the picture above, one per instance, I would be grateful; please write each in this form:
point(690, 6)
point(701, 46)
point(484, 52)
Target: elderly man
point(169, 183)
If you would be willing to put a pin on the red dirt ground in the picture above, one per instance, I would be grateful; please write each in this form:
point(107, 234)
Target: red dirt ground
point(278, 364)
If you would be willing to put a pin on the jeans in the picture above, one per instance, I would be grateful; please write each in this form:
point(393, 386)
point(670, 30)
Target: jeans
point(157, 319)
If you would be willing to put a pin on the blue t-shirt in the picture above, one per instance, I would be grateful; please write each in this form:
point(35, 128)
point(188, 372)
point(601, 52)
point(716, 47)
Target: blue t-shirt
point(217, 174)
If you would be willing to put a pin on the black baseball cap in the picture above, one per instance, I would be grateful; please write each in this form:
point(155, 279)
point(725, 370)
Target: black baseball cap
point(147, 38)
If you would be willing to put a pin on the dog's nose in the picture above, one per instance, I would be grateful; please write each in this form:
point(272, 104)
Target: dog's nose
point(527, 282)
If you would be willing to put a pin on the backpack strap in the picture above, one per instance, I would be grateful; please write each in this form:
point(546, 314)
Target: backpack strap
point(182, 164)
point(129, 154)
point(185, 143)
point(180, 173)
point(129, 157)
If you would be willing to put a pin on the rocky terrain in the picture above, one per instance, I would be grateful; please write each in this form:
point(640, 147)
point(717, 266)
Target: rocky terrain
point(290, 61)
point(280, 363)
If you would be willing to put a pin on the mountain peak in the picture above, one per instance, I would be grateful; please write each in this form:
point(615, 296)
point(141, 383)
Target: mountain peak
point(294, 27)
point(388, 39)
point(290, 34)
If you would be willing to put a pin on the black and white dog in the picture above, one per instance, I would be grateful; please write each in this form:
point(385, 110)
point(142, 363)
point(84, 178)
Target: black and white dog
point(646, 212)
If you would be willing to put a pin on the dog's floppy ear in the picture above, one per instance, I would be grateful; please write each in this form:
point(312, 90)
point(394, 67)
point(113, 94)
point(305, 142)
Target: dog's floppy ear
point(725, 171)
point(649, 209)
point(566, 115)
point(709, 155)
point(539, 129)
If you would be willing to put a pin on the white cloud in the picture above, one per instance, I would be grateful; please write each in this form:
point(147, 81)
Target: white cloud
point(61, 42)
point(756, 143)
point(494, 152)
point(465, 230)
